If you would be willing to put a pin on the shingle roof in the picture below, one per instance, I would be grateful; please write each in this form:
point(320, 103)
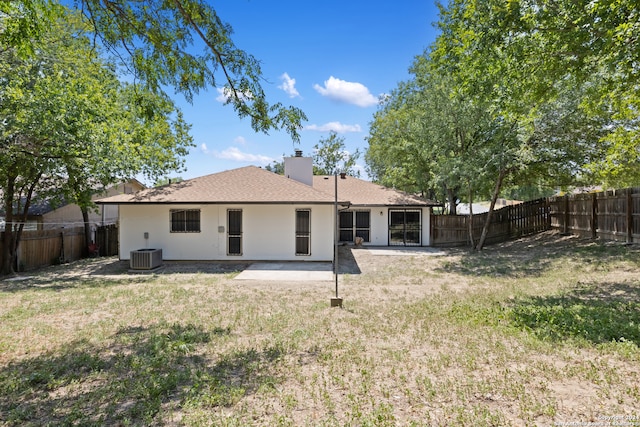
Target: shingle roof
point(249, 184)
point(252, 184)
point(366, 193)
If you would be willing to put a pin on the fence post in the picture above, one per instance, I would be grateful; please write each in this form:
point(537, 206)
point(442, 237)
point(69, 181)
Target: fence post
point(547, 213)
point(594, 216)
point(565, 225)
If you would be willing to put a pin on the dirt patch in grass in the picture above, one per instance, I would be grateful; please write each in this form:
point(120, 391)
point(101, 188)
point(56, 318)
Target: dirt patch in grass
point(538, 331)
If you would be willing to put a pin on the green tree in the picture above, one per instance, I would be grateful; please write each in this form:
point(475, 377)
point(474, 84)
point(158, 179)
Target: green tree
point(433, 136)
point(167, 180)
point(276, 166)
point(331, 156)
point(426, 138)
point(492, 51)
point(395, 156)
point(155, 40)
point(69, 127)
point(527, 53)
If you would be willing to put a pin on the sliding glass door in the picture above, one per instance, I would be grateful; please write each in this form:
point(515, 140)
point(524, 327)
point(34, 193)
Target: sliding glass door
point(405, 227)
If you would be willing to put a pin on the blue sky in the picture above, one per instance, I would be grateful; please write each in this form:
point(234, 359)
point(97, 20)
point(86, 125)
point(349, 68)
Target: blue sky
point(332, 59)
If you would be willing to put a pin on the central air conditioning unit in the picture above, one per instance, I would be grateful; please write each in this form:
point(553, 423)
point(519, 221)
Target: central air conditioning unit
point(145, 259)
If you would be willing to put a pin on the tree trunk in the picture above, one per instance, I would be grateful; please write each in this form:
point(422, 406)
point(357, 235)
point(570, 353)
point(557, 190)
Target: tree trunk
point(12, 234)
point(8, 255)
point(7, 244)
point(25, 214)
point(494, 198)
point(451, 197)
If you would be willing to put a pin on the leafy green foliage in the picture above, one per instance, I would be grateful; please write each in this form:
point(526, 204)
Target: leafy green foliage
point(276, 167)
point(529, 54)
point(330, 157)
point(69, 127)
point(167, 180)
point(155, 40)
point(515, 94)
point(431, 137)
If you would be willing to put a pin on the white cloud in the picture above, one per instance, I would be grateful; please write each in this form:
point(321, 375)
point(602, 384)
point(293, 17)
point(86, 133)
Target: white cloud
point(233, 153)
point(240, 140)
point(289, 85)
point(349, 92)
point(334, 126)
point(224, 93)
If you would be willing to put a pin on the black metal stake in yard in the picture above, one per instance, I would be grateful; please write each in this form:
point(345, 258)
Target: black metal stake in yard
point(337, 301)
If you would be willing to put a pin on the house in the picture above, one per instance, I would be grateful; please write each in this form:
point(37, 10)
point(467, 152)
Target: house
point(254, 214)
point(45, 215)
point(379, 215)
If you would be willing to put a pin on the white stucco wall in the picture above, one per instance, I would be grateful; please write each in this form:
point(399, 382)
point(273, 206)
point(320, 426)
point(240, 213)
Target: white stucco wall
point(268, 232)
point(380, 225)
point(426, 226)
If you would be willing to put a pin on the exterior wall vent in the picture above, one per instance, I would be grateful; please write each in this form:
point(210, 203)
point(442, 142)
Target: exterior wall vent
point(145, 259)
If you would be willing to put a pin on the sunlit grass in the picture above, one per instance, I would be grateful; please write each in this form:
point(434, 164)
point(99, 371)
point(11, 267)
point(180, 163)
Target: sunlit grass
point(530, 333)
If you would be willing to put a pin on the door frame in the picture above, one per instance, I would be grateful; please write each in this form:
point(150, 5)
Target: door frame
point(404, 227)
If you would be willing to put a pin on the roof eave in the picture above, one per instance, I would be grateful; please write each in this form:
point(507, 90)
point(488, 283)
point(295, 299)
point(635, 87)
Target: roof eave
point(227, 202)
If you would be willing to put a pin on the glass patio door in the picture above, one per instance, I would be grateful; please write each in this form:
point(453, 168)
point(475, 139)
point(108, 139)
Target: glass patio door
point(405, 228)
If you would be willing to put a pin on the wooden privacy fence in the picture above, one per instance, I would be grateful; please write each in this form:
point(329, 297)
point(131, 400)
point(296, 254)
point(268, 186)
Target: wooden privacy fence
point(506, 223)
point(107, 240)
point(609, 215)
point(40, 248)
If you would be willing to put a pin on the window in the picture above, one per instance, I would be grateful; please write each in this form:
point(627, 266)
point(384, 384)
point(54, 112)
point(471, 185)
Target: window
point(234, 232)
point(354, 224)
point(185, 220)
point(303, 232)
point(346, 226)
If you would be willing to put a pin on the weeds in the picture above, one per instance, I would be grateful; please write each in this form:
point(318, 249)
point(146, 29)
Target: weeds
point(511, 336)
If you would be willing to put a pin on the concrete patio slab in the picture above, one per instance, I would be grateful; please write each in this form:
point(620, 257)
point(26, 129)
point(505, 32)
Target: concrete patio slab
point(288, 271)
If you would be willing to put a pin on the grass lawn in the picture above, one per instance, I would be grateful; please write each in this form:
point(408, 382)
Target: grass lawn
point(542, 331)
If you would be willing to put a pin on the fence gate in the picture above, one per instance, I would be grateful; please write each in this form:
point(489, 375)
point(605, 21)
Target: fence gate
point(107, 240)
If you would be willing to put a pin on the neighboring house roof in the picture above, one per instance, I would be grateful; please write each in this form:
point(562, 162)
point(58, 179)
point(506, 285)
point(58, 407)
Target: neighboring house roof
point(37, 207)
point(367, 193)
point(40, 207)
point(249, 184)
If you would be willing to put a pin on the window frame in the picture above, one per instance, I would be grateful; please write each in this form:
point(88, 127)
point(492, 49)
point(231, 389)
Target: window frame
point(236, 234)
point(185, 222)
point(405, 229)
point(303, 234)
point(353, 229)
